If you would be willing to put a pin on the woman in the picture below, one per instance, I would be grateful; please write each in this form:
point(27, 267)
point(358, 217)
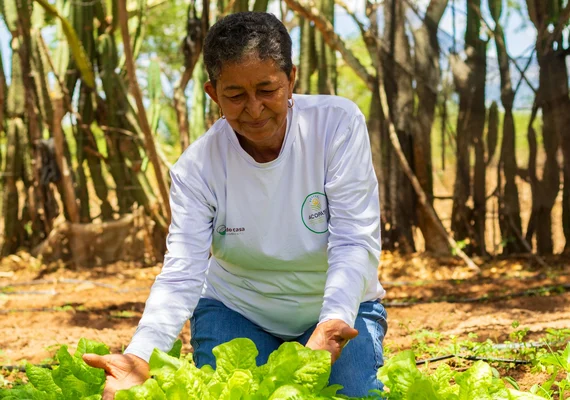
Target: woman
point(282, 191)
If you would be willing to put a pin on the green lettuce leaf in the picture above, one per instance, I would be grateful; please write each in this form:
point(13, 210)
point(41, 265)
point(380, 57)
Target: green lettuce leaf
point(399, 373)
point(190, 382)
point(147, 391)
point(237, 354)
point(314, 369)
point(90, 346)
point(42, 380)
point(163, 367)
point(176, 349)
point(75, 378)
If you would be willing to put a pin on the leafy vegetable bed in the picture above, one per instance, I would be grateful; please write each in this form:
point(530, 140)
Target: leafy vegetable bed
point(293, 372)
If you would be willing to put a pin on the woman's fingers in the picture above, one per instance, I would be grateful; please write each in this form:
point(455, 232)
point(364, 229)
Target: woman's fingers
point(97, 361)
point(348, 333)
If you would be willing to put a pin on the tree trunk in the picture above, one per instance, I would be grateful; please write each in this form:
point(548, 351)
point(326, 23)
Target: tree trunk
point(555, 106)
point(68, 194)
point(509, 208)
point(468, 224)
point(181, 108)
point(10, 196)
point(192, 47)
point(307, 56)
point(553, 98)
point(3, 90)
point(198, 114)
point(427, 71)
point(41, 224)
point(398, 83)
point(330, 53)
point(566, 195)
point(375, 127)
point(91, 151)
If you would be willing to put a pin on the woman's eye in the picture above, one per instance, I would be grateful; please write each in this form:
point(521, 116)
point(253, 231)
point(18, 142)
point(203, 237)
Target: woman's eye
point(237, 96)
point(267, 91)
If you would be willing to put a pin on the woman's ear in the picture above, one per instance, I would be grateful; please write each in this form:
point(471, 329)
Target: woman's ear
point(211, 90)
point(292, 77)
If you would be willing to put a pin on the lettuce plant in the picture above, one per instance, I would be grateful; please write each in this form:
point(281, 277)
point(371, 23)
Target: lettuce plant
point(72, 379)
point(293, 372)
point(405, 381)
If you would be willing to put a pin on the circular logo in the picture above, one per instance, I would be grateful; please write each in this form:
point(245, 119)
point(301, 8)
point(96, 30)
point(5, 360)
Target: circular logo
point(315, 213)
point(221, 230)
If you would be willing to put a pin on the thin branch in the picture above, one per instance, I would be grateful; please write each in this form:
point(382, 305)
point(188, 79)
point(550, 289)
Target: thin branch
point(422, 197)
point(491, 33)
point(560, 25)
point(524, 71)
point(332, 39)
point(69, 197)
point(357, 21)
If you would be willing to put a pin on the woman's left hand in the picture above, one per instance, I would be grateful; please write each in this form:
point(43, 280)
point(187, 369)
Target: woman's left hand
point(332, 336)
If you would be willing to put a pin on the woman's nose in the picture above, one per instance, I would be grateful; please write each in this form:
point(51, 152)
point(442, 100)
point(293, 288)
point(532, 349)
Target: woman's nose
point(254, 107)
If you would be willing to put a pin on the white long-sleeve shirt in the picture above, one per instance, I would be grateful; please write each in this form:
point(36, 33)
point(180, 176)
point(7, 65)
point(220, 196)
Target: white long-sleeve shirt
point(294, 241)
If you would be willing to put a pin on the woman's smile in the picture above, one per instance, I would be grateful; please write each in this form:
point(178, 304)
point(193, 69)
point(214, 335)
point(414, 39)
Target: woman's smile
point(256, 124)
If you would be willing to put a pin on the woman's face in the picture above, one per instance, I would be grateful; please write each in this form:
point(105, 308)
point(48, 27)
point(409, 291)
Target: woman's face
point(253, 95)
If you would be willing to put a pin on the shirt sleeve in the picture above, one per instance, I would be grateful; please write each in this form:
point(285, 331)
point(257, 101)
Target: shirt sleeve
point(176, 290)
point(354, 226)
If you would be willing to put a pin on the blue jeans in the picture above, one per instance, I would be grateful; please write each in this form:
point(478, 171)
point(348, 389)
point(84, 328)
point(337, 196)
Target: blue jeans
point(213, 324)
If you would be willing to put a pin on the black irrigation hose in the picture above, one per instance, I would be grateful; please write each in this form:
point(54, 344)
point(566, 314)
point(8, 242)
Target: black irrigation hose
point(561, 288)
point(473, 358)
point(498, 346)
point(22, 368)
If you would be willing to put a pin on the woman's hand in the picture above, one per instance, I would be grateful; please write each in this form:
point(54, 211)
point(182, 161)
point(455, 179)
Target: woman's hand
point(332, 336)
point(123, 371)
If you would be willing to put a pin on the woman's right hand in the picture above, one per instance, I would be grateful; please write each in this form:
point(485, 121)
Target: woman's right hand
point(123, 371)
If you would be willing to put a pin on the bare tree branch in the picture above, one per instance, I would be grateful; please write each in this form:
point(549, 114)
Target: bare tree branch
point(332, 39)
point(422, 198)
point(357, 21)
point(560, 25)
point(491, 33)
point(524, 72)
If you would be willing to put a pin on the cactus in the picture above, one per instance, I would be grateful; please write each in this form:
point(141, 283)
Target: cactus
point(10, 14)
point(198, 113)
point(41, 81)
point(94, 163)
point(492, 131)
point(307, 56)
point(79, 54)
point(16, 103)
point(10, 198)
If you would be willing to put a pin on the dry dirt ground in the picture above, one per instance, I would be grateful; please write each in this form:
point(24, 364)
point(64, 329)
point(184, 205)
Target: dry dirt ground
point(42, 307)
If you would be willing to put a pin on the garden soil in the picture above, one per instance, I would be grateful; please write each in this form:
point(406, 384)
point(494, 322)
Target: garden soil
point(43, 307)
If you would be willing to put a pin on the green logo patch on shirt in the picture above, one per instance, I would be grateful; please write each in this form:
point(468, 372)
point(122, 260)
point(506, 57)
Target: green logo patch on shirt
point(315, 213)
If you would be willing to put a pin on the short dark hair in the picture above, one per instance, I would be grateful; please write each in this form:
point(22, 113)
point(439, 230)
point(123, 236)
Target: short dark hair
point(239, 34)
